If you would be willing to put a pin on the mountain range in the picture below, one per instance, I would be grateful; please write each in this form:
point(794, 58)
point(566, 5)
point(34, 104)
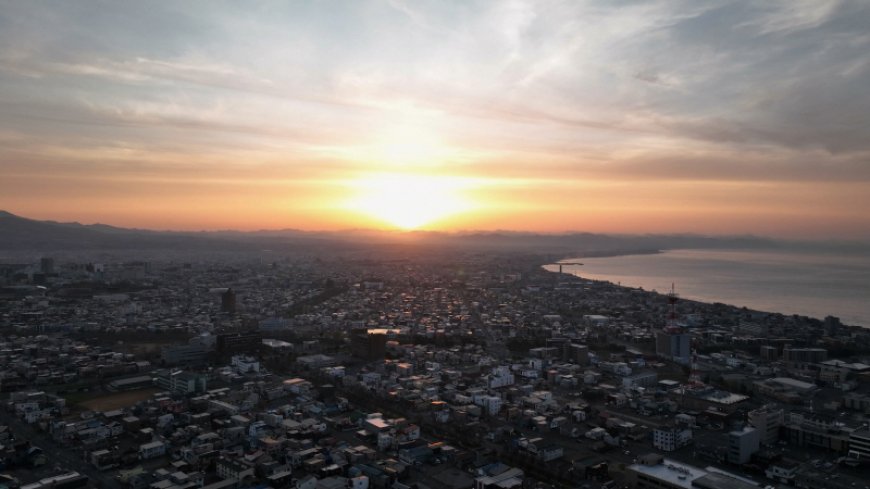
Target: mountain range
point(22, 234)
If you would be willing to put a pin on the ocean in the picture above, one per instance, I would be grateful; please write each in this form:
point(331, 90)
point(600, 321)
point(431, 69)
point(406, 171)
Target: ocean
point(804, 283)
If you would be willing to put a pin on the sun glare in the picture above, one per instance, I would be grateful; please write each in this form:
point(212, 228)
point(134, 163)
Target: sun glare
point(410, 201)
point(407, 146)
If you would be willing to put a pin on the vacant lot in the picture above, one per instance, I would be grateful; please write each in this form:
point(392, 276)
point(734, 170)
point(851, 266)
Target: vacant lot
point(115, 400)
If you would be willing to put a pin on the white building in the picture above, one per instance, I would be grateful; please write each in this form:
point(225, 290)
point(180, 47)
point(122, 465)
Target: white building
point(244, 364)
point(782, 471)
point(619, 368)
point(671, 438)
point(492, 404)
point(152, 450)
point(742, 444)
point(500, 377)
point(767, 420)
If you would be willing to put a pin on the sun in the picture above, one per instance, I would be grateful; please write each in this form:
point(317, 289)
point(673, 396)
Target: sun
point(409, 201)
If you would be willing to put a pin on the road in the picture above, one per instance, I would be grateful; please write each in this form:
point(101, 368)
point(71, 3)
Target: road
point(57, 454)
point(649, 421)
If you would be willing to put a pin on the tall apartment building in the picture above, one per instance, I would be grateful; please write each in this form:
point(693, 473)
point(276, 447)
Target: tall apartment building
point(742, 444)
point(674, 345)
point(804, 355)
point(670, 438)
point(184, 354)
point(767, 420)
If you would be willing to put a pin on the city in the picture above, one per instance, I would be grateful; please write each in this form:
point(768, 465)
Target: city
point(429, 244)
point(458, 371)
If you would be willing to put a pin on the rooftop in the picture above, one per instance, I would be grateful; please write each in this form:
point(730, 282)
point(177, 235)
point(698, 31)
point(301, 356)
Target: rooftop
point(673, 472)
point(714, 480)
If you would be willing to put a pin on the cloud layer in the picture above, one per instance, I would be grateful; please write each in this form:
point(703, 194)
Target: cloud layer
point(592, 114)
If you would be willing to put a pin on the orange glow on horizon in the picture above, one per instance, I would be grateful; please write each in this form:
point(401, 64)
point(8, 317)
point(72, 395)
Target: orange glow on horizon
point(409, 201)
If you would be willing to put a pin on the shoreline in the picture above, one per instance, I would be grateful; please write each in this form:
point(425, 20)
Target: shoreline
point(610, 253)
point(734, 309)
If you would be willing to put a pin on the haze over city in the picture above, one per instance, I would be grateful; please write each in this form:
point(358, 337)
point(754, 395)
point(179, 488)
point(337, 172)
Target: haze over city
point(617, 117)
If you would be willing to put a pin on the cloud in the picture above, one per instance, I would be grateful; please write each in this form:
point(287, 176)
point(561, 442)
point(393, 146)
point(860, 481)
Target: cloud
point(667, 90)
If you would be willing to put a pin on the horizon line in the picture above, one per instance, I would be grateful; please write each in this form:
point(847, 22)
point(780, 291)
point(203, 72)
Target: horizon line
point(457, 232)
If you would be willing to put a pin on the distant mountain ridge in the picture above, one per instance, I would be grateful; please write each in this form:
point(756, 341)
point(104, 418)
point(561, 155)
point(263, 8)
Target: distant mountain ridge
point(22, 234)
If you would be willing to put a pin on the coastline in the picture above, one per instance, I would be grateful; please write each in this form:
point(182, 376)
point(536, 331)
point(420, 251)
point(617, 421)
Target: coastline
point(610, 253)
point(726, 281)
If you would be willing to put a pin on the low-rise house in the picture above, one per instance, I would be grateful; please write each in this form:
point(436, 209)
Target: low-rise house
point(151, 450)
point(227, 468)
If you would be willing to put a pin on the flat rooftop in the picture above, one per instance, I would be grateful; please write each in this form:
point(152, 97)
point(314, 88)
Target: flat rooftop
point(671, 471)
point(691, 477)
point(715, 480)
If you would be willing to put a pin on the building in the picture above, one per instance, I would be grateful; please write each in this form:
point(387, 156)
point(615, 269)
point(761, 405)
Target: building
point(130, 383)
point(785, 389)
point(837, 371)
point(674, 345)
point(832, 325)
point(782, 471)
point(767, 420)
point(670, 438)
point(491, 404)
point(186, 354)
point(857, 402)
point(68, 480)
point(769, 353)
point(181, 382)
point(550, 452)
point(656, 472)
point(500, 477)
point(742, 444)
point(233, 469)
point(274, 324)
point(816, 430)
point(707, 398)
point(239, 342)
point(318, 360)
point(228, 301)
point(859, 445)
point(804, 355)
point(151, 450)
point(46, 265)
point(500, 376)
point(809, 477)
point(578, 354)
point(368, 344)
point(245, 364)
point(642, 379)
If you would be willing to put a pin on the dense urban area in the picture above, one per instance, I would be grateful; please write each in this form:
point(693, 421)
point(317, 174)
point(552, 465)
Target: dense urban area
point(412, 371)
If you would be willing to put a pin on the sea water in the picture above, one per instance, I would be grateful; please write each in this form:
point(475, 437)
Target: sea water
point(809, 284)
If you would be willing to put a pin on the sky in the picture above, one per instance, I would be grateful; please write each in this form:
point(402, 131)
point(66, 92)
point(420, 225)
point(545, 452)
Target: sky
point(712, 117)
